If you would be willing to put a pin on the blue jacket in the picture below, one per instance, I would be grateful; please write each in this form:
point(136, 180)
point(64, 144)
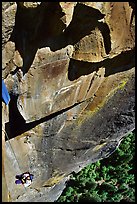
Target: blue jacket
point(5, 94)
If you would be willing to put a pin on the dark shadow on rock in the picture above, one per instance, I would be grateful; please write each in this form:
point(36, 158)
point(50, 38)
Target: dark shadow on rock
point(33, 25)
point(16, 121)
point(132, 4)
point(85, 19)
point(42, 27)
point(103, 27)
point(120, 63)
point(17, 125)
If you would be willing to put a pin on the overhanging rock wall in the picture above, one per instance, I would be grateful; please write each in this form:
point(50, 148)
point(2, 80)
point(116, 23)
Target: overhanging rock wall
point(69, 68)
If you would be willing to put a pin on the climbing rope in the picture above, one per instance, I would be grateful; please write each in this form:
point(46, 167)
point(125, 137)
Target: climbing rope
point(13, 153)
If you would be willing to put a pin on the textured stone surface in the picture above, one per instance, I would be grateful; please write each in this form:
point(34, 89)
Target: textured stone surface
point(29, 4)
point(4, 182)
point(69, 68)
point(8, 20)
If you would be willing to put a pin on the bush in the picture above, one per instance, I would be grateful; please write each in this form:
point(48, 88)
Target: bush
point(108, 180)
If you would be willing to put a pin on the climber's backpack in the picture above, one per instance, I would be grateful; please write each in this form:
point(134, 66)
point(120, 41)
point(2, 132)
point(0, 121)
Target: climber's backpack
point(5, 94)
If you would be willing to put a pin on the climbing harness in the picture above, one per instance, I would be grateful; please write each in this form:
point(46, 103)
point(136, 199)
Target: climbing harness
point(23, 178)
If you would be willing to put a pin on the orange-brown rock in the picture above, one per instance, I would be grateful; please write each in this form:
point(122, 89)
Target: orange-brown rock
point(69, 68)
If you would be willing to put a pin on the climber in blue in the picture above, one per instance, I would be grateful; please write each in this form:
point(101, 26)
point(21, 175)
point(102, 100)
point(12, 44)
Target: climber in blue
point(5, 94)
point(25, 179)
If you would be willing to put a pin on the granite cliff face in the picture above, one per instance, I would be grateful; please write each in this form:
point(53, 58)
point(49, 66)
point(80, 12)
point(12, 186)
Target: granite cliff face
point(69, 69)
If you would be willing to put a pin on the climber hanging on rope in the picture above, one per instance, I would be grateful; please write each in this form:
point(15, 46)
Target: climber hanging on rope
point(25, 179)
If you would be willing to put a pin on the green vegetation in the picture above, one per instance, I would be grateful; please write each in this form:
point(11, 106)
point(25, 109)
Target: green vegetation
point(108, 180)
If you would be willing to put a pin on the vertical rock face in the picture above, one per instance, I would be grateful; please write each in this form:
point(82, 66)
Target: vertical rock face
point(8, 20)
point(4, 183)
point(69, 69)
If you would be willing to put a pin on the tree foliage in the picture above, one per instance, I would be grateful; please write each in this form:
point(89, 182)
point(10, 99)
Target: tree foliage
point(108, 180)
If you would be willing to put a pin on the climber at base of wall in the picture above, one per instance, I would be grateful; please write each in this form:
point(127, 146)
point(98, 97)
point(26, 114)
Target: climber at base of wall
point(25, 179)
